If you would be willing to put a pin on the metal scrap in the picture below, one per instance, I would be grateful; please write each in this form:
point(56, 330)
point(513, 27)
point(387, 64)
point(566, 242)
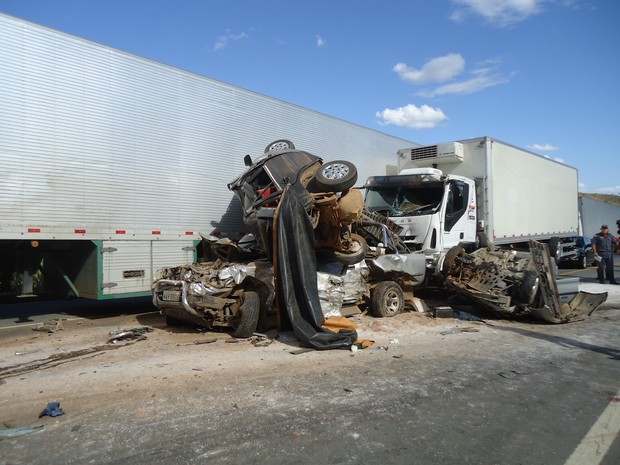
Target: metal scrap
point(124, 334)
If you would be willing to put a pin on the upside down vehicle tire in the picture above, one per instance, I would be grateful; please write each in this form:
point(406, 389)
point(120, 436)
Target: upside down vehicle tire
point(249, 312)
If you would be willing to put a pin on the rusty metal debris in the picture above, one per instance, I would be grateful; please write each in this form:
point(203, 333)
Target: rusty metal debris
point(124, 334)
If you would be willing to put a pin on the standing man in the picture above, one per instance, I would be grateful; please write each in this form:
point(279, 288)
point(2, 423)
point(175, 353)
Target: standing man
point(603, 245)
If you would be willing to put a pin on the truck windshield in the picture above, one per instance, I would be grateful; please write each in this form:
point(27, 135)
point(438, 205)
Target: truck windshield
point(396, 201)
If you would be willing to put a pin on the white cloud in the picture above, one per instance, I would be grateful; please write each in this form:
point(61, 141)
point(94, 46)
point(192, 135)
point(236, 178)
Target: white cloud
point(582, 187)
point(482, 79)
point(411, 116)
point(498, 12)
point(438, 69)
point(543, 147)
point(609, 190)
point(320, 42)
point(223, 40)
point(558, 159)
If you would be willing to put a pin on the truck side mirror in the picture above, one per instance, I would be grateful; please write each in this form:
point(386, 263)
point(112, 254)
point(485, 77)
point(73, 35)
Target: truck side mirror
point(247, 160)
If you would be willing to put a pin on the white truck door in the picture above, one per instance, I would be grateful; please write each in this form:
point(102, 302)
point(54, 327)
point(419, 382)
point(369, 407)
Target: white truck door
point(459, 223)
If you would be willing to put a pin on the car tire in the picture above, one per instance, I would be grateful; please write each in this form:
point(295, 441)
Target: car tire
point(452, 261)
point(249, 312)
point(555, 249)
point(528, 288)
point(582, 263)
point(387, 299)
point(280, 144)
point(336, 176)
point(355, 256)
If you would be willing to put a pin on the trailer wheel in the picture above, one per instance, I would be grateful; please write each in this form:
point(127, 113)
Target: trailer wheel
point(555, 249)
point(356, 252)
point(280, 144)
point(387, 299)
point(249, 312)
point(336, 176)
point(482, 240)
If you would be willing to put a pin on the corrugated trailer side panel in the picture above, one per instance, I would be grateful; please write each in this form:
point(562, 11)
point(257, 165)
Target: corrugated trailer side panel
point(101, 144)
point(530, 195)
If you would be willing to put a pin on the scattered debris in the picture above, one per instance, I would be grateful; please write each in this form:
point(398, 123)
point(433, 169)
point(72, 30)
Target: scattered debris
point(260, 340)
point(28, 352)
point(468, 329)
point(50, 326)
point(443, 312)
point(52, 410)
point(466, 316)
point(419, 305)
point(15, 432)
point(301, 351)
point(124, 334)
point(394, 341)
point(203, 341)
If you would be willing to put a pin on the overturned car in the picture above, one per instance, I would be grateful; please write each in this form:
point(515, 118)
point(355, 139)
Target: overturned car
point(324, 190)
point(511, 282)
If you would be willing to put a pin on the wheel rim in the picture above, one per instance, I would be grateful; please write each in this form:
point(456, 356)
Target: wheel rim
point(392, 302)
point(336, 171)
point(281, 145)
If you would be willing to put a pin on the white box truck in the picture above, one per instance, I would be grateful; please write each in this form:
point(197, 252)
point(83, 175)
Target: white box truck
point(472, 191)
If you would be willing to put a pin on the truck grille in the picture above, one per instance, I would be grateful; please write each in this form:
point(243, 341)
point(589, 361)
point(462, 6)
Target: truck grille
point(421, 153)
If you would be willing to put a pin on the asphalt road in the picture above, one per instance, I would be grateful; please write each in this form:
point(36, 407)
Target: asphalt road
point(515, 393)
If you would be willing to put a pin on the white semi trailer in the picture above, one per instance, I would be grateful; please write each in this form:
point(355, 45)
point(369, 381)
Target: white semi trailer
point(472, 191)
point(114, 165)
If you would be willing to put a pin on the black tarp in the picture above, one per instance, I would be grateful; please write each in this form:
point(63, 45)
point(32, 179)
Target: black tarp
point(296, 277)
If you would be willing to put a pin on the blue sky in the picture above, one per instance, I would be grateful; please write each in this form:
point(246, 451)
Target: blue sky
point(539, 74)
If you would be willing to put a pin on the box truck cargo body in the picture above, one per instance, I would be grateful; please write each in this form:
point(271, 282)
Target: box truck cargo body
point(470, 191)
point(114, 165)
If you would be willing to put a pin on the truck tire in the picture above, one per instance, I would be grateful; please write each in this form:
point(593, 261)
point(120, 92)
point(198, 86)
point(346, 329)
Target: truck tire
point(387, 299)
point(555, 249)
point(280, 144)
point(249, 312)
point(482, 241)
point(336, 176)
point(353, 256)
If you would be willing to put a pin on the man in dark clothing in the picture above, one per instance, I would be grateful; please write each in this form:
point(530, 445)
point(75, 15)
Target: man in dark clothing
point(603, 245)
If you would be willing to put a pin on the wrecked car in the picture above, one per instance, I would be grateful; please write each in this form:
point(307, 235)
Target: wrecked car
point(513, 282)
point(236, 296)
point(324, 189)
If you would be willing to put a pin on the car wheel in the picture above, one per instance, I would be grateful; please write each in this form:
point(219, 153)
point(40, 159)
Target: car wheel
point(280, 144)
point(555, 249)
point(583, 262)
point(452, 261)
point(387, 299)
point(336, 176)
point(356, 252)
point(249, 312)
point(528, 288)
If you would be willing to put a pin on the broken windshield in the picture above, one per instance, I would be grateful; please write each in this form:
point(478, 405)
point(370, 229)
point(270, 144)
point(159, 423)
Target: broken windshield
point(397, 201)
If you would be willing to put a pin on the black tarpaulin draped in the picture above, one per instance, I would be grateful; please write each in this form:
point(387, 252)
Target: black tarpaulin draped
point(296, 274)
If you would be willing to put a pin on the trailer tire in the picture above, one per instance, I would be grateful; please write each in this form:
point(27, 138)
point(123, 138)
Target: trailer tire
point(336, 176)
point(387, 299)
point(355, 256)
point(249, 312)
point(280, 144)
point(555, 249)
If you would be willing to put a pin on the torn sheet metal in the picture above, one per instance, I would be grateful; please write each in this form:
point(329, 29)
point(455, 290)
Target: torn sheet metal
point(336, 290)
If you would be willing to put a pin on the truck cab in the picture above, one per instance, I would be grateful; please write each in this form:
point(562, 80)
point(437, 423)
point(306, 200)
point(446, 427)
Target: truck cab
point(436, 211)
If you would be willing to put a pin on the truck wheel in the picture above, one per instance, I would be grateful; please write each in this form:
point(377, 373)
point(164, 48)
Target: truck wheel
point(555, 249)
point(356, 252)
point(248, 315)
point(336, 176)
point(387, 299)
point(452, 261)
point(280, 144)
